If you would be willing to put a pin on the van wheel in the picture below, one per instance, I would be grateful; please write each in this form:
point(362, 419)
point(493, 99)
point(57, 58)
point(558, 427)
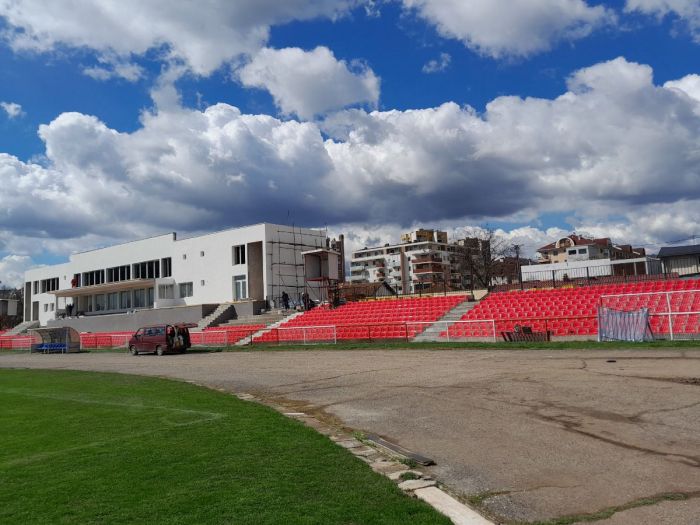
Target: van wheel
point(159, 350)
point(133, 350)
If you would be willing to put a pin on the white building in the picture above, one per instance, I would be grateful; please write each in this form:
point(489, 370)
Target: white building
point(248, 264)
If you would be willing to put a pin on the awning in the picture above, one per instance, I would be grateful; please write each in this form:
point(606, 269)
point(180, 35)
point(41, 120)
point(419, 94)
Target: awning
point(105, 288)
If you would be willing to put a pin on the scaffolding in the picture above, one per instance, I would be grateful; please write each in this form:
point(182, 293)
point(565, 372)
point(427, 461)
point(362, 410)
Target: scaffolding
point(288, 268)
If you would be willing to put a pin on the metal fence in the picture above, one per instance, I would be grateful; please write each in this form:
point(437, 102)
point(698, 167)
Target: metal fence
point(673, 314)
point(568, 279)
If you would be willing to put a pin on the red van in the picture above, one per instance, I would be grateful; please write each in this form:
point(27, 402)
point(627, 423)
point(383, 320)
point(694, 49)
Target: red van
point(161, 339)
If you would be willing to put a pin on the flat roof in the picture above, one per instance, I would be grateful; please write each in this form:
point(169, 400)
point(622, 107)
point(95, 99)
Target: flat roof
point(104, 288)
point(678, 251)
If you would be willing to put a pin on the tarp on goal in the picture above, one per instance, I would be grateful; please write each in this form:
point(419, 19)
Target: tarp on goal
point(619, 325)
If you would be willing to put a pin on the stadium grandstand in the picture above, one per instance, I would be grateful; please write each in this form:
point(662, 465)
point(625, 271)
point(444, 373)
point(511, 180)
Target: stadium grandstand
point(567, 312)
point(573, 311)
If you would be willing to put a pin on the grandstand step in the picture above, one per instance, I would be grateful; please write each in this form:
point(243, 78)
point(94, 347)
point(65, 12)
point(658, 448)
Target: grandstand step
point(21, 328)
point(432, 333)
point(223, 312)
point(246, 340)
point(266, 319)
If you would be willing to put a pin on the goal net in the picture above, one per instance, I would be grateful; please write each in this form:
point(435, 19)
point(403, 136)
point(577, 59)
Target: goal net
point(620, 325)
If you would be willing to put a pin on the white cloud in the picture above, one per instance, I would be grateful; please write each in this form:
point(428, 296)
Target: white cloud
point(12, 109)
point(201, 37)
point(519, 28)
point(689, 85)
point(615, 150)
point(437, 65)
point(687, 11)
point(12, 268)
point(308, 83)
point(111, 66)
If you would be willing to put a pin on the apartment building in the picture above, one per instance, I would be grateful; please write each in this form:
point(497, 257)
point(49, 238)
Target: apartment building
point(424, 261)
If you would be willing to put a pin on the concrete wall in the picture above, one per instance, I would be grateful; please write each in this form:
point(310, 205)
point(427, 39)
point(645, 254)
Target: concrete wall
point(256, 279)
point(134, 321)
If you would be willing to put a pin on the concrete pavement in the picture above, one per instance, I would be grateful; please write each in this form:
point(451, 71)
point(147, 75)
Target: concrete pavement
point(526, 436)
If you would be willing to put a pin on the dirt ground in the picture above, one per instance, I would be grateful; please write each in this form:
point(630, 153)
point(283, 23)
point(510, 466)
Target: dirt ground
point(524, 436)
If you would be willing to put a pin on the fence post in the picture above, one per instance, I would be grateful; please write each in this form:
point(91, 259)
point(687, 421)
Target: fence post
point(493, 325)
point(304, 332)
point(554, 279)
point(670, 318)
point(405, 326)
point(448, 332)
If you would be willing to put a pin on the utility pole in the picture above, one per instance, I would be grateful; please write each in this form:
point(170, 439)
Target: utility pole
point(516, 247)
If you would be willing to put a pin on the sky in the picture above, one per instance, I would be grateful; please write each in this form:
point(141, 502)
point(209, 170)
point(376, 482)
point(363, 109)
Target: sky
point(533, 118)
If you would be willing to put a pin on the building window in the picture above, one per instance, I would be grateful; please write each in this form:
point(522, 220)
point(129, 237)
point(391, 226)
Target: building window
point(572, 252)
point(582, 250)
point(118, 273)
point(36, 287)
point(201, 254)
point(184, 256)
point(113, 301)
point(166, 291)
point(46, 308)
point(125, 300)
point(51, 307)
point(99, 302)
point(146, 270)
point(240, 288)
point(166, 267)
point(139, 298)
point(186, 290)
point(201, 282)
point(49, 285)
point(239, 254)
point(150, 295)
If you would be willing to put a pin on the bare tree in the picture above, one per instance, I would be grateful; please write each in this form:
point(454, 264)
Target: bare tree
point(487, 256)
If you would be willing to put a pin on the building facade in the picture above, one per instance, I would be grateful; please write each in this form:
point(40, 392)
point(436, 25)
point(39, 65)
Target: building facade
point(575, 248)
point(424, 261)
point(252, 263)
point(683, 260)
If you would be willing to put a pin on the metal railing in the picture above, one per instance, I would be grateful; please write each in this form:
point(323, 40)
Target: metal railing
point(664, 319)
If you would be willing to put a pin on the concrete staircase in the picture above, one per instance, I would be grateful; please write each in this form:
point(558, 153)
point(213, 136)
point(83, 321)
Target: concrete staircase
point(22, 327)
point(432, 333)
point(222, 313)
point(266, 319)
point(287, 317)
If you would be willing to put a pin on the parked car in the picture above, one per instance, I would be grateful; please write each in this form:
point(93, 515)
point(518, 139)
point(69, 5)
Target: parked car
point(161, 339)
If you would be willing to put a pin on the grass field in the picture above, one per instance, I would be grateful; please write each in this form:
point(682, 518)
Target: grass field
point(84, 448)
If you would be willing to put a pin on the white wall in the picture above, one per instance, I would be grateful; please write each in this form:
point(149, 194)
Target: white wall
point(597, 268)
